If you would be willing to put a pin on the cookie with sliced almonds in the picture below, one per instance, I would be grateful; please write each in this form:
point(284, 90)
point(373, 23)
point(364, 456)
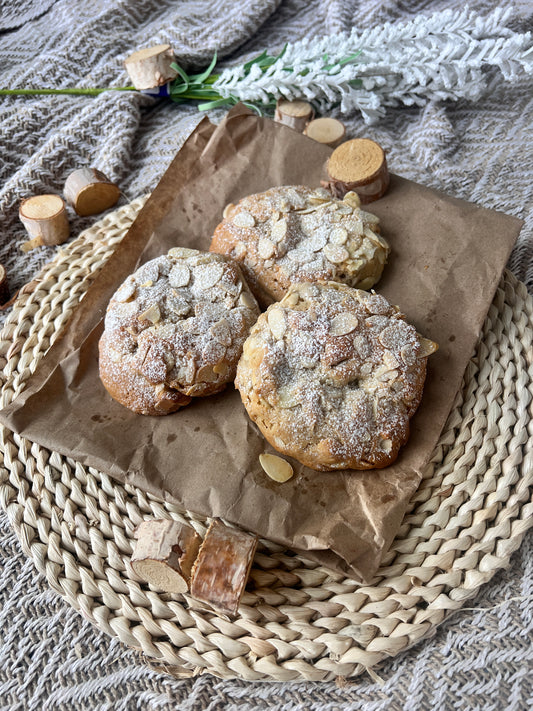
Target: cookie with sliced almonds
point(175, 330)
point(331, 375)
point(295, 234)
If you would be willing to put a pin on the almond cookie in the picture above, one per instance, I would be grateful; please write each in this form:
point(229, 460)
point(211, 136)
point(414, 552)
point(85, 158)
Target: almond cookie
point(175, 330)
point(331, 375)
point(294, 234)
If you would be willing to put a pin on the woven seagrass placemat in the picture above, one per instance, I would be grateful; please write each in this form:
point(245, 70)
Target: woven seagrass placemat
point(297, 620)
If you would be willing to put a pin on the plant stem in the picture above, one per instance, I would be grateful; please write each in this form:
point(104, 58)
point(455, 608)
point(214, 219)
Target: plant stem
point(81, 92)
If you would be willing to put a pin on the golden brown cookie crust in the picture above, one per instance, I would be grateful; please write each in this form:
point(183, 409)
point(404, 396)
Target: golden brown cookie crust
point(331, 375)
point(175, 330)
point(296, 234)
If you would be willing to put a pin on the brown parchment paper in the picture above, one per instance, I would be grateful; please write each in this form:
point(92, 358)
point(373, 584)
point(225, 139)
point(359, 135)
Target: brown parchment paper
point(447, 258)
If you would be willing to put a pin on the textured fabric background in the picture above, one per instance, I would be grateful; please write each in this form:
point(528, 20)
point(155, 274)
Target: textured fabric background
point(51, 658)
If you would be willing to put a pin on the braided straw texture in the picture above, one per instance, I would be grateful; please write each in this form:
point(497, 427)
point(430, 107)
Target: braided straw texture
point(297, 620)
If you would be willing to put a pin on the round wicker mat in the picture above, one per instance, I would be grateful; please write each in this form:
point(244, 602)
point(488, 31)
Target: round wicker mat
point(297, 620)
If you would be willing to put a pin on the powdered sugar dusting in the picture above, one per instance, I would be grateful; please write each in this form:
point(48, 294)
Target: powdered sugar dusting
point(177, 325)
point(333, 388)
point(293, 233)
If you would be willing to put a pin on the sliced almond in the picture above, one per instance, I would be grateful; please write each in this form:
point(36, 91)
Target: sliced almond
point(387, 374)
point(408, 355)
point(277, 322)
point(286, 397)
point(427, 347)
point(178, 304)
point(390, 360)
point(229, 207)
point(369, 218)
point(315, 242)
point(247, 300)
point(352, 199)
point(343, 323)
point(336, 254)
point(291, 300)
point(221, 368)
point(213, 352)
point(385, 445)
point(243, 219)
point(393, 337)
point(126, 291)
point(353, 245)
point(307, 290)
point(265, 248)
point(239, 250)
point(152, 314)
point(297, 200)
point(338, 235)
point(341, 209)
point(190, 369)
point(312, 208)
point(278, 231)
point(276, 468)
point(181, 252)
point(354, 225)
point(206, 374)
point(179, 275)
point(296, 256)
point(221, 332)
point(207, 275)
point(321, 194)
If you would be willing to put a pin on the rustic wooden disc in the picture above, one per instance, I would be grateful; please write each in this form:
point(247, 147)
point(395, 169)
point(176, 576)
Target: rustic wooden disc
point(295, 114)
point(326, 130)
point(360, 166)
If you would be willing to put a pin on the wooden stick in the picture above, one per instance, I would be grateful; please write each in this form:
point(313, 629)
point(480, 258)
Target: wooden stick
point(4, 286)
point(222, 567)
point(329, 131)
point(89, 191)
point(150, 67)
point(360, 166)
point(45, 220)
point(295, 114)
point(165, 553)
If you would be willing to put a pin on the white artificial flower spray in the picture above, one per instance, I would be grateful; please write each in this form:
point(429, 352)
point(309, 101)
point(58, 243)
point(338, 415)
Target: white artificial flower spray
point(447, 55)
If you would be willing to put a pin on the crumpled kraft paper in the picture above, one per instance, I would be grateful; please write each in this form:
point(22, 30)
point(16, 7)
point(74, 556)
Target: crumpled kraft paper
point(446, 261)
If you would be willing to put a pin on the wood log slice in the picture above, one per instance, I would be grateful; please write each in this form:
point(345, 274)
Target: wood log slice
point(89, 191)
point(360, 166)
point(222, 567)
point(164, 554)
point(4, 286)
point(295, 114)
point(45, 220)
point(326, 130)
point(150, 67)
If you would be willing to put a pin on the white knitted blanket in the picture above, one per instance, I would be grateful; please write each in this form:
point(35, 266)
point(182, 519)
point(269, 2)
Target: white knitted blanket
point(51, 657)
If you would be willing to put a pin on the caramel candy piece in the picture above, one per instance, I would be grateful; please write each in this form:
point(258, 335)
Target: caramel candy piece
point(221, 569)
point(165, 553)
